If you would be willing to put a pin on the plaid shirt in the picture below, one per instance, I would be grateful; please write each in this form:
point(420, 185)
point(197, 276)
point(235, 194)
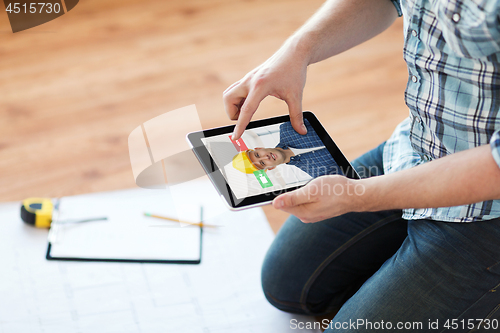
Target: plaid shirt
point(316, 163)
point(452, 50)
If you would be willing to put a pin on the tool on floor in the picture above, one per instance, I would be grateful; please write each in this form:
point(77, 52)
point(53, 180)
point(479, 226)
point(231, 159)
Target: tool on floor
point(38, 212)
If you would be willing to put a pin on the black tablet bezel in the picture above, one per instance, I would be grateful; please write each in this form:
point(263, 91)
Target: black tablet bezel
point(220, 182)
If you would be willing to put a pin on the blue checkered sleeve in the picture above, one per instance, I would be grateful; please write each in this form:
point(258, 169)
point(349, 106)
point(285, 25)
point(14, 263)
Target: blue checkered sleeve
point(398, 7)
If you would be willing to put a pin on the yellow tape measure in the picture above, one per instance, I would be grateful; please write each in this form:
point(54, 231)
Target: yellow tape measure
point(37, 212)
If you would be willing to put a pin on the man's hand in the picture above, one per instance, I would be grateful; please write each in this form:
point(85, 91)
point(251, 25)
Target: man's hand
point(282, 76)
point(337, 26)
point(322, 198)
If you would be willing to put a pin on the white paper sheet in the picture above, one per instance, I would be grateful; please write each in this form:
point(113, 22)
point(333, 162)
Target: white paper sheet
point(127, 233)
point(222, 294)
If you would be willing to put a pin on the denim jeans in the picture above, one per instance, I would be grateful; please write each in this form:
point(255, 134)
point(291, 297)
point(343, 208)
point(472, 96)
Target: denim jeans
point(385, 274)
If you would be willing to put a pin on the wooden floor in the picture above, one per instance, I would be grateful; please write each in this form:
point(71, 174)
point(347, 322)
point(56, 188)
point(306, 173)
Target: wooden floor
point(73, 89)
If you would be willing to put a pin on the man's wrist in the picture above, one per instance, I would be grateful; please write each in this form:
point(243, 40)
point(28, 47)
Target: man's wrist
point(300, 48)
point(367, 195)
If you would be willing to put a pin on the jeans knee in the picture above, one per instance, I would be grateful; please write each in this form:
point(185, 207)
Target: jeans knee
point(270, 280)
point(279, 283)
point(278, 295)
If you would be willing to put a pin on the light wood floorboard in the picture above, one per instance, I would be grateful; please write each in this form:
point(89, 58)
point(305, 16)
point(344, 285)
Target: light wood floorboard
point(73, 89)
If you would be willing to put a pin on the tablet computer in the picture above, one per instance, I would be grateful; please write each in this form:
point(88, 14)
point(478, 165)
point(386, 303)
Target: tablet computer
point(270, 158)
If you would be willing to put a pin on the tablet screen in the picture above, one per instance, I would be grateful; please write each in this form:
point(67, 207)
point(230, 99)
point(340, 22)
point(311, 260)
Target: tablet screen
point(270, 158)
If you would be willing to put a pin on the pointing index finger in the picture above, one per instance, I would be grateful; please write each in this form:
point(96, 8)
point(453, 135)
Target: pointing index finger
point(246, 112)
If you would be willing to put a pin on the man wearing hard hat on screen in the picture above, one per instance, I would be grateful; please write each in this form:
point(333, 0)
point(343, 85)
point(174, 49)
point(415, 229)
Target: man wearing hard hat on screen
point(242, 162)
point(269, 158)
point(305, 152)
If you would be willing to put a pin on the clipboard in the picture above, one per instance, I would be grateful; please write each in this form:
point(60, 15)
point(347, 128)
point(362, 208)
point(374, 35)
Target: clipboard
point(127, 235)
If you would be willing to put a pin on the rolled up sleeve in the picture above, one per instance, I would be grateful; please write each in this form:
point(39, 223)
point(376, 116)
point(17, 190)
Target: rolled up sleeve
point(397, 4)
point(495, 147)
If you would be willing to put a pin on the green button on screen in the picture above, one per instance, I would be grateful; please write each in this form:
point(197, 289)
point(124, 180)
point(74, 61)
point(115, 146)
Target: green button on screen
point(263, 179)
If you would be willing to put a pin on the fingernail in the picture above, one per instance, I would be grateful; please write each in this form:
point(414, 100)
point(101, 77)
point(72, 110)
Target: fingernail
point(280, 204)
point(304, 127)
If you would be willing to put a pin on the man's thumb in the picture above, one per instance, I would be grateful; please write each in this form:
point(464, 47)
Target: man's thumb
point(291, 199)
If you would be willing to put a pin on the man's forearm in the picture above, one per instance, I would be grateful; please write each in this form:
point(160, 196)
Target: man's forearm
point(339, 25)
point(462, 178)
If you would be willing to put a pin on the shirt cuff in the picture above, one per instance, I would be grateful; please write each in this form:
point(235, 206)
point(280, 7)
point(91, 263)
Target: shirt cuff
point(398, 7)
point(495, 147)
